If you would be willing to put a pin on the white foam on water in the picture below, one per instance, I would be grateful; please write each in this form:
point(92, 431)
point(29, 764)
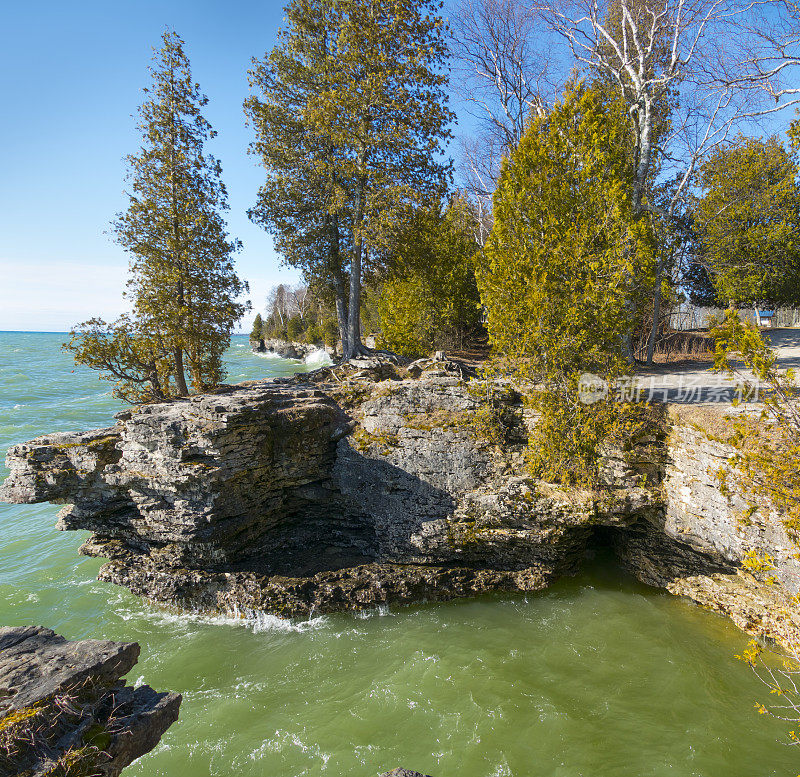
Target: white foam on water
point(318, 358)
point(271, 355)
point(502, 770)
point(265, 621)
point(381, 611)
point(257, 622)
point(283, 740)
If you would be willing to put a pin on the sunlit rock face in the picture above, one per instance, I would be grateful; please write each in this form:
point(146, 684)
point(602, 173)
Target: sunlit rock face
point(375, 485)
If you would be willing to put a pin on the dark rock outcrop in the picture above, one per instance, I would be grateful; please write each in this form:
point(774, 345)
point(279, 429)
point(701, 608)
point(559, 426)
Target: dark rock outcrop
point(400, 772)
point(280, 498)
point(64, 707)
point(375, 487)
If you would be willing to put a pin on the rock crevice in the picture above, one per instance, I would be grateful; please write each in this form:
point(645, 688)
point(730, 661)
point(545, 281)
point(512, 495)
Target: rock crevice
point(381, 488)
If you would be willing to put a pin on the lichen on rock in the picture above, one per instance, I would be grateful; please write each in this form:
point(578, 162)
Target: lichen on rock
point(363, 485)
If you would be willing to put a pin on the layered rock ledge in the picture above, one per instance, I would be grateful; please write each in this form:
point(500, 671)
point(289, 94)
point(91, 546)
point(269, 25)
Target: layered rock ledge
point(287, 349)
point(65, 709)
point(347, 490)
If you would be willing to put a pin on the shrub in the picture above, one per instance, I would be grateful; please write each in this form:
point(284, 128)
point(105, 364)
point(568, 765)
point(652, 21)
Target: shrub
point(429, 298)
point(330, 332)
point(565, 267)
point(313, 334)
point(294, 328)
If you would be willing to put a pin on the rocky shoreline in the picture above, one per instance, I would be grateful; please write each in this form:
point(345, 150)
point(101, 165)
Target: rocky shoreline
point(64, 708)
point(289, 350)
point(378, 484)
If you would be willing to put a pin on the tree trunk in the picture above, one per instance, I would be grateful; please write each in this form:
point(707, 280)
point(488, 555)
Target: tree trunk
point(354, 304)
point(651, 340)
point(341, 312)
point(154, 380)
point(339, 290)
point(180, 377)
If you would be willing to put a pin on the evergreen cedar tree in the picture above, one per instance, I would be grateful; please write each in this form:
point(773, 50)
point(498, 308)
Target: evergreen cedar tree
point(350, 114)
point(182, 281)
point(256, 333)
point(748, 221)
point(567, 263)
point(429, 297)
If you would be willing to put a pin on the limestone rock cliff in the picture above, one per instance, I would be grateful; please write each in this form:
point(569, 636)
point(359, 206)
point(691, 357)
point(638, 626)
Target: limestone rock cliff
point(64, 707)
point(383, 484)
point(287, 349)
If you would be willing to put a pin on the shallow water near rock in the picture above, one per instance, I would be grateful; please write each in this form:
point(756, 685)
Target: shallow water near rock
point(597, 676)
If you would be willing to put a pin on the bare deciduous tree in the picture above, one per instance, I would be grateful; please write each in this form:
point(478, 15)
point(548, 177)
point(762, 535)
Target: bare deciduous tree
point(278, 303)
point(505, 74)
point(691, 72)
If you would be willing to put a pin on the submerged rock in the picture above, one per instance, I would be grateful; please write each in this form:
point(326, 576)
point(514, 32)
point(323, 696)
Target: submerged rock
point(64, 706)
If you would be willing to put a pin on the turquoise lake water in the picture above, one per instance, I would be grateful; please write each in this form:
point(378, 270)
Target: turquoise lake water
point(598, 676)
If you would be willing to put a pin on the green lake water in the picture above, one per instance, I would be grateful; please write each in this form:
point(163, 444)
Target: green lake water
point(596, 677)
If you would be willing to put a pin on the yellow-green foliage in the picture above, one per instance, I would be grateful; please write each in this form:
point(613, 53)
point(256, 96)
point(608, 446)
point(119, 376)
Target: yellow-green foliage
point(430, 297)
point(126, 353)
point(759, 565)
point(364, 441)
point(485, 424)
point(766, 465)
point(564, 444)
point(16, 717)
point(567, 258)
point(406, 322)
point(748, 221)
point(565, 270)
point(779, 674)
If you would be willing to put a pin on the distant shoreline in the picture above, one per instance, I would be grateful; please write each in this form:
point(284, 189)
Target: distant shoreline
point(48, 332)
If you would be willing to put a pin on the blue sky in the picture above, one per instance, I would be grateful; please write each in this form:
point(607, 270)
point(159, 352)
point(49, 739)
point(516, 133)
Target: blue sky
point(71, 76)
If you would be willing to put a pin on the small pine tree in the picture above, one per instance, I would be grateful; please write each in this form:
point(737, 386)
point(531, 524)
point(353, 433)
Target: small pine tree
point(182, 281)
point(313, 335)
point(258, 328)
point(329, 331)
point(748, 220)
point(562, 272)
point(430, 298)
